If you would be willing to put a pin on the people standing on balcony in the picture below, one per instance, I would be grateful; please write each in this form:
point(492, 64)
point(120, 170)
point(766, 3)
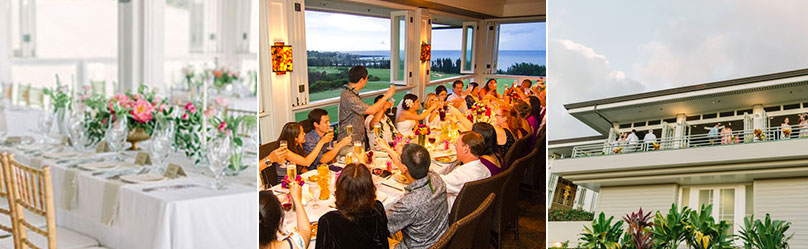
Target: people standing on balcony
point(490, 88)
point(408, 117)
point(619, 144)
point(785, 129)
point(352, 109)
point(649, 140)
point(319, 121)
point(388, 131)
point(803, 125)
point(713, 133)
point(726, 134)
point(458, 96)
point(633, 141)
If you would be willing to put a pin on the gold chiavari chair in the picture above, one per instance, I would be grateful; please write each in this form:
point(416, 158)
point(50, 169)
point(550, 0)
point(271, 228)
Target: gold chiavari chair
point(5, 220)
point(31, 189)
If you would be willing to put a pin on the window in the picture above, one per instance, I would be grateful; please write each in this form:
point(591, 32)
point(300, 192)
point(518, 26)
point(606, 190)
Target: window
point(731, 203)
point(446, 50)
point(467, 58)
point(81, 50)
point(522, 49)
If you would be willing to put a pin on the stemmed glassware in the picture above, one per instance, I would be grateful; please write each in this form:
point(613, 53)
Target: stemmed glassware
point(331, 144)
point(160, 148)
point(219, 155)
point(116, 136)
point(75, 131)
point(45, 123)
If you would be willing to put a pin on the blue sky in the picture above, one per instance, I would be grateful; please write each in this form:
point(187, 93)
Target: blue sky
point(600, 49)
point(342, 32)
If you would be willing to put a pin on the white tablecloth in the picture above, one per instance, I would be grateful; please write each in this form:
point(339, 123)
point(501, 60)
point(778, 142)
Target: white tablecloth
point(196, 217)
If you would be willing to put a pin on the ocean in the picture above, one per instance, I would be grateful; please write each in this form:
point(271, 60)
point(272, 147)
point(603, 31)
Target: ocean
point(505, 58)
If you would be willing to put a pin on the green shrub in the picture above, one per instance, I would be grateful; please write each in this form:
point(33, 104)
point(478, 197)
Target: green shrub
point(669, 230)
point(769, 234)
point(602, 234)
point(569, 215)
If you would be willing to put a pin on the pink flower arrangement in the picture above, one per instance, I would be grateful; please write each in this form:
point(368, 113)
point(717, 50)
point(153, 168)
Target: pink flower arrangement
point(142, 111)
point(222, 126)
point(209, 112)
point(190, 107)
point(220, 101)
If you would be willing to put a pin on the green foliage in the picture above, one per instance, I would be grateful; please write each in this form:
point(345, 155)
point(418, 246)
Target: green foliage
point(445, 65)
point(60, 99)
point(669, 230)
point(569, 215)
point(704, 232)
point(602, 234)
point(525, 68)
point(768, 234)
point(187, 137)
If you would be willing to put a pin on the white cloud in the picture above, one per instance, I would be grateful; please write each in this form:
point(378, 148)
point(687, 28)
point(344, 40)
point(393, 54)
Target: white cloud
point(586, 75)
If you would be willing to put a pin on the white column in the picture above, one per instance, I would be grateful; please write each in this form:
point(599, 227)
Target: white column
point(422, 33)
point(140, 43)
point(487, 49)
point(28, 28)
point(228, 32)
point(5, 41)
point(679, 132)
point(757, 116)
point(277, 21)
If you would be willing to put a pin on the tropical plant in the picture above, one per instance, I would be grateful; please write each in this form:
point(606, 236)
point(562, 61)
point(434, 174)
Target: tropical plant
point(704, 232)
point(769, 234)
point(602, 234)
point(561, 245)
point(639, 230)
point(669, 230)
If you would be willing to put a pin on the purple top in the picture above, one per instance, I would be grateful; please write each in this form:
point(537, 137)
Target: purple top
point(534, 122)
point(491, 166)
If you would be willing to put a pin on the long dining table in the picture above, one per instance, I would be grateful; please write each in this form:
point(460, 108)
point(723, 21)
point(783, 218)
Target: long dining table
point(183, 212)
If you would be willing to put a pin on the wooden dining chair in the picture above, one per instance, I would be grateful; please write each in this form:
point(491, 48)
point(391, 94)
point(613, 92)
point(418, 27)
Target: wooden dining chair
point(462, 232)
point(31, 189)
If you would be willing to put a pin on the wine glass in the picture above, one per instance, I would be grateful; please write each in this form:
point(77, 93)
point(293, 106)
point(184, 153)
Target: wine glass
point(159, 150)
point(45, 124)
point(349, 130)
point(116, 136)
point(314, 190)
point(75, 131)
point(218, 155)
point(331, 144)
point(390, 110)
point(432, 140)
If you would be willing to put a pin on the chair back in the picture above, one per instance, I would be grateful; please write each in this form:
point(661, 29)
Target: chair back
point(31, 189)
point(5, 210)
point(506, 209)
point(268, 176)
point(461, 234)
point(519, 149)
point(474, 193)
point(99, 87)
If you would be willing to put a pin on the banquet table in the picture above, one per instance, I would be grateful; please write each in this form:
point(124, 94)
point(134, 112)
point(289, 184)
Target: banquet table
point(388, 190)
point(191, 216)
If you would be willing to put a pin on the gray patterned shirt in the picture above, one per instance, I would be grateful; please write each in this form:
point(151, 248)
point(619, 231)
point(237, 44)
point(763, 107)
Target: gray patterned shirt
point(351, 112)
point(422, 214)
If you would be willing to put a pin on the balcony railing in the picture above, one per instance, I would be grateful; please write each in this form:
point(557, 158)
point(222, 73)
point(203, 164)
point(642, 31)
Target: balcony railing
point(690, 141)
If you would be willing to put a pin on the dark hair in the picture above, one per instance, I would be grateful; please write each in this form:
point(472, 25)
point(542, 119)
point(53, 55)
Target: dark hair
point(439, 89)
point(355, 194)
point(633, 131)
point(417, 160)
point(357, 73)
point(475, 141)
point(316, 115)
point(487, 88)
point(523, 108)
point(529, 83)
point(270, 217)
point(489, 135)
point(457, 82)
point(377, 98)
point(409, 96)
point(473, 85)
point(289, 134)
point(535, 106)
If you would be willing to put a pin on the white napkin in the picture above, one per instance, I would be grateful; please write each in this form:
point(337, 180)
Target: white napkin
point(70, 186)
point(109, 210)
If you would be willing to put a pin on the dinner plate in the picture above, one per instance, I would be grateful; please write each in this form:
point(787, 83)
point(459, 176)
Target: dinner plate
point(142, 178)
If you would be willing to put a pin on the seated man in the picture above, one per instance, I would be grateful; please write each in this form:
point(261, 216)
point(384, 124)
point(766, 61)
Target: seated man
point(422, 213)
point(470, 146)
point(321, 122)
point(388, 129)
point(458, 97)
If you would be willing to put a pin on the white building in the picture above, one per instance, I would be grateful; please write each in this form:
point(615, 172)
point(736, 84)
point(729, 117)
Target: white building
point(754, 169)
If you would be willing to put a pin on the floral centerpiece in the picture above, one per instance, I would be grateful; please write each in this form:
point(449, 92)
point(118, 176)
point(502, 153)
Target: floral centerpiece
point(230, 124)
point(759, 135)
point(222, 77)
point(189, 73)
point(187, 136)
point(286, 181)
point(143, 110)
point(480, 112)
point(422, 131)
point(62, 103)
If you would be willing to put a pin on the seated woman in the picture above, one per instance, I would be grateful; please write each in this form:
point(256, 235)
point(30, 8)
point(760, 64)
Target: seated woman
point(388, 129)
point(408, 117)
point(523, 109)
point(490, 88)
point(473, 96)
point(508, 128)
point(270, 220)
point(535, 117)
point(293, 134)
point(360, 220)
point(489, 158)
point(433, 120)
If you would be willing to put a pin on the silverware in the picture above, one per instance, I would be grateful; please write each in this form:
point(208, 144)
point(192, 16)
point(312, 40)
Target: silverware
point(393, 187)
point(169, 187)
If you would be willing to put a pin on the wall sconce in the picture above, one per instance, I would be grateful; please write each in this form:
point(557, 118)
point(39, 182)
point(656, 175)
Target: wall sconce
point(426, 52)
point(281, 58)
